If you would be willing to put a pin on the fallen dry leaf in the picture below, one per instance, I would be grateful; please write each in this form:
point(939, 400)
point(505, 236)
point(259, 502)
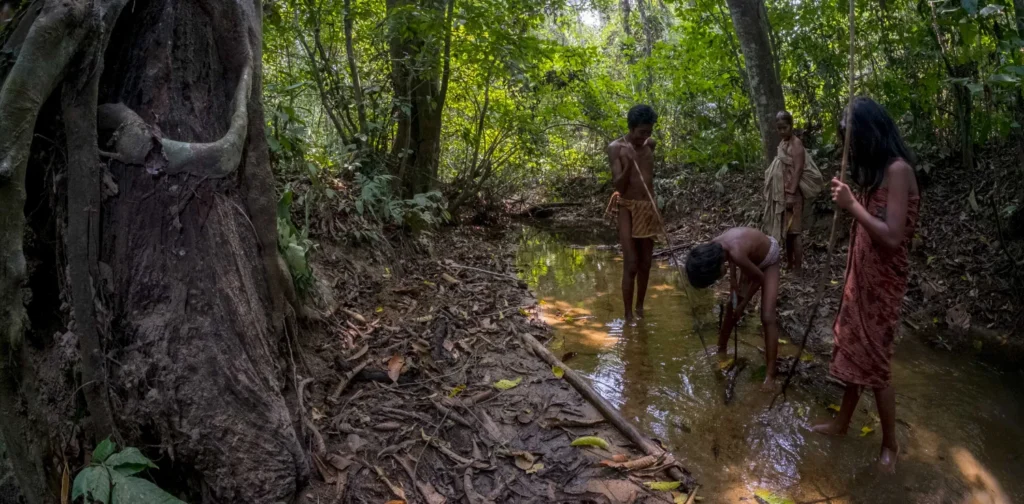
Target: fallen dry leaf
point(450, 279)
point(359, 318)
point(395, 367)
point(359, 353)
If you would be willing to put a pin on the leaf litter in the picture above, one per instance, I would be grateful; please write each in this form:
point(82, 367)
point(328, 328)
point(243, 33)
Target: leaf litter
point(436, 397)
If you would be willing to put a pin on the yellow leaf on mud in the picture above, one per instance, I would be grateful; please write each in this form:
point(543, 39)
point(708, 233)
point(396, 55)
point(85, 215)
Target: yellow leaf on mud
point(590, 441)
point(783, 341)
point(679, 498)
point(380, 309)
point(507, 384)
point(725, 364)
point(458, 389)
point(807, 357)
point(395, 367)
point(542, 302)
point(834, 407)
point(864, 431)
point(769, 497)
point(663, 486)
point(523, 312)
point(536, 467)
point(835, 282)
point(557, 371)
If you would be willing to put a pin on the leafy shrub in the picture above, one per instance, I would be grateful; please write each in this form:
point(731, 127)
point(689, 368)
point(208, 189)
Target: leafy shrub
point(294, 244)
point(110, 479)
point(376, 198)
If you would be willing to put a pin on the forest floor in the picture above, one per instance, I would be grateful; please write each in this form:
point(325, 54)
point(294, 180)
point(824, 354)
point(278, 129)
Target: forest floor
point(405, 367)
point(404, 363)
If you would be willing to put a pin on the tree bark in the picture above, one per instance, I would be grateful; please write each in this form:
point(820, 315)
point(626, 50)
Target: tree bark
point(765, 89)
point(420, 70)
point(180, 302)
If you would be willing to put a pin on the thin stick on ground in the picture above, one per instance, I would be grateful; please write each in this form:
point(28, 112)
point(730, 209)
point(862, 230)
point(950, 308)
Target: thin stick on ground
point(826, 270)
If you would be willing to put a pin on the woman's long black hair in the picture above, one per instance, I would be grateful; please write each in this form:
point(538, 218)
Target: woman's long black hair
point(875, 143)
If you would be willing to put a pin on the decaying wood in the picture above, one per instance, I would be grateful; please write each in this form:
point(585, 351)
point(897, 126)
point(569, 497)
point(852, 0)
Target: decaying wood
point(605, 408)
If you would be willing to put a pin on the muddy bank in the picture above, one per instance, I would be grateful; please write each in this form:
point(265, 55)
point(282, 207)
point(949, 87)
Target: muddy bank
point(402, 394)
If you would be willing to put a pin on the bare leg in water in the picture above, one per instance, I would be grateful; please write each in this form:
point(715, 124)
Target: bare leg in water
point(629, 261)
point(770, 323)
point(644, 257)
point(885, 398)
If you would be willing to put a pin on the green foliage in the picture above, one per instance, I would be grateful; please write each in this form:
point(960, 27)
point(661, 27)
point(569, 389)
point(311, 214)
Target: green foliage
point(294, 244)
point(376, 199)
point(538, 88)
point(110, 479)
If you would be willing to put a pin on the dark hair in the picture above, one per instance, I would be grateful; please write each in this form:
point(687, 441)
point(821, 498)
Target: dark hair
point(640, 115)
point(784, 116)
point(704, 264)
point(875, 142)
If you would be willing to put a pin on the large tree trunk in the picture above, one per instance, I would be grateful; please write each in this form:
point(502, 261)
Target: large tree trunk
point(748, 18)
point(419, 73)
point(179, 301)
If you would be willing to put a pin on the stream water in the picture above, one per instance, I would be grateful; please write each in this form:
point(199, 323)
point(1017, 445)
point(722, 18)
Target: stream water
point(960, 423)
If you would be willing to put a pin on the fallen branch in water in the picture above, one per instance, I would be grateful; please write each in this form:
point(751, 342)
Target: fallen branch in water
point(607, 410)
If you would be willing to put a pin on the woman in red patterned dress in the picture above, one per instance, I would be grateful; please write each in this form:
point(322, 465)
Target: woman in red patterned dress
point(885, 215)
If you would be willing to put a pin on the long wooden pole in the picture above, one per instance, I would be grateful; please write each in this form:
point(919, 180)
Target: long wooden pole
point(605, 408)
point(826, 272)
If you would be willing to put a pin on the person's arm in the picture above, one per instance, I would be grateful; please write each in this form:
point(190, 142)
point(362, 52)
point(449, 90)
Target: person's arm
point(620, 173)
point(799, 159)
point(888, 232)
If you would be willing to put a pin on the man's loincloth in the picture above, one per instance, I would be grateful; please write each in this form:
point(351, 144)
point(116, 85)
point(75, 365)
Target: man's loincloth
point(643, 216)
point(773, 256)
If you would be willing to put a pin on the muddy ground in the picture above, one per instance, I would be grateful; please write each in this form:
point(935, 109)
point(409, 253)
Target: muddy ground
point(445, 321)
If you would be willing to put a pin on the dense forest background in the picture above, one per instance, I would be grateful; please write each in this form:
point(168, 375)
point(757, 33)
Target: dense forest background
point(489, 100)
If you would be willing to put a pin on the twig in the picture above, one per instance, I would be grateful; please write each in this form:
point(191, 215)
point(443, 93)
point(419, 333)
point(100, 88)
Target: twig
point(835, 219)
point(487, 272)
point(693, 495)
point(343, 384)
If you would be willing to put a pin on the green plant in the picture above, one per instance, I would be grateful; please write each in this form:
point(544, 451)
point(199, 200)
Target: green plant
point(110, 479)
point(294, 244)
point(423, 211)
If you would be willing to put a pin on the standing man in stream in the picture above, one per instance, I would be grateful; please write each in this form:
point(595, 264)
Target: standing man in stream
point(631, 206)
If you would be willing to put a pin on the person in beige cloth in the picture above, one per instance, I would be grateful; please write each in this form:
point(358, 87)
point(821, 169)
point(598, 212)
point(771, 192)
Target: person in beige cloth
point(784, 198)
point(632, 164)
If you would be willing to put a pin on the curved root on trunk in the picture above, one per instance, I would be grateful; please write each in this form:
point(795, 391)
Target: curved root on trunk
point(134, 140)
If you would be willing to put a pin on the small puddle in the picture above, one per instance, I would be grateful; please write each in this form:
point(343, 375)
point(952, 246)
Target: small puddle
point(959, 422)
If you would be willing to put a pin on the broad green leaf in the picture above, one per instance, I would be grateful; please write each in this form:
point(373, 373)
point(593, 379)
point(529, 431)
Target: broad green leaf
point(92, 482)
point(663, 486)
point(1003, 79)
point(507, 384)
point(132, 490)
point(769, 497)
point(103, 450)
point(975, 87)
point(1019, 70)
point(971, 6)
point(557, 371)
point(590, 441)
point(129, 461)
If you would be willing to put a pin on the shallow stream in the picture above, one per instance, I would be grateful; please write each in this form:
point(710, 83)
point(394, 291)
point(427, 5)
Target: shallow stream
point(961, 424)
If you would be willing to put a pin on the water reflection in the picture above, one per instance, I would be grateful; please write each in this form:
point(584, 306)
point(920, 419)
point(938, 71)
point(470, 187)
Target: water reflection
point(657, 373)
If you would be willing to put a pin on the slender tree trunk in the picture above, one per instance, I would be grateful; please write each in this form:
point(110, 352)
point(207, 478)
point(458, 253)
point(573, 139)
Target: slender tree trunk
point(765, 90)
point(420, 70)
point(350, 54)
point(179, 300)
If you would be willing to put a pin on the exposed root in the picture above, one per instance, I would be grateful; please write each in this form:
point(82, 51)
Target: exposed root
point(135, 141)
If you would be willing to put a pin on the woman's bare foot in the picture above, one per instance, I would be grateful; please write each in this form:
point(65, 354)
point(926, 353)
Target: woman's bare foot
point(639, 312)
point(831, 429)
point(887, 459)
point(769, 384)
